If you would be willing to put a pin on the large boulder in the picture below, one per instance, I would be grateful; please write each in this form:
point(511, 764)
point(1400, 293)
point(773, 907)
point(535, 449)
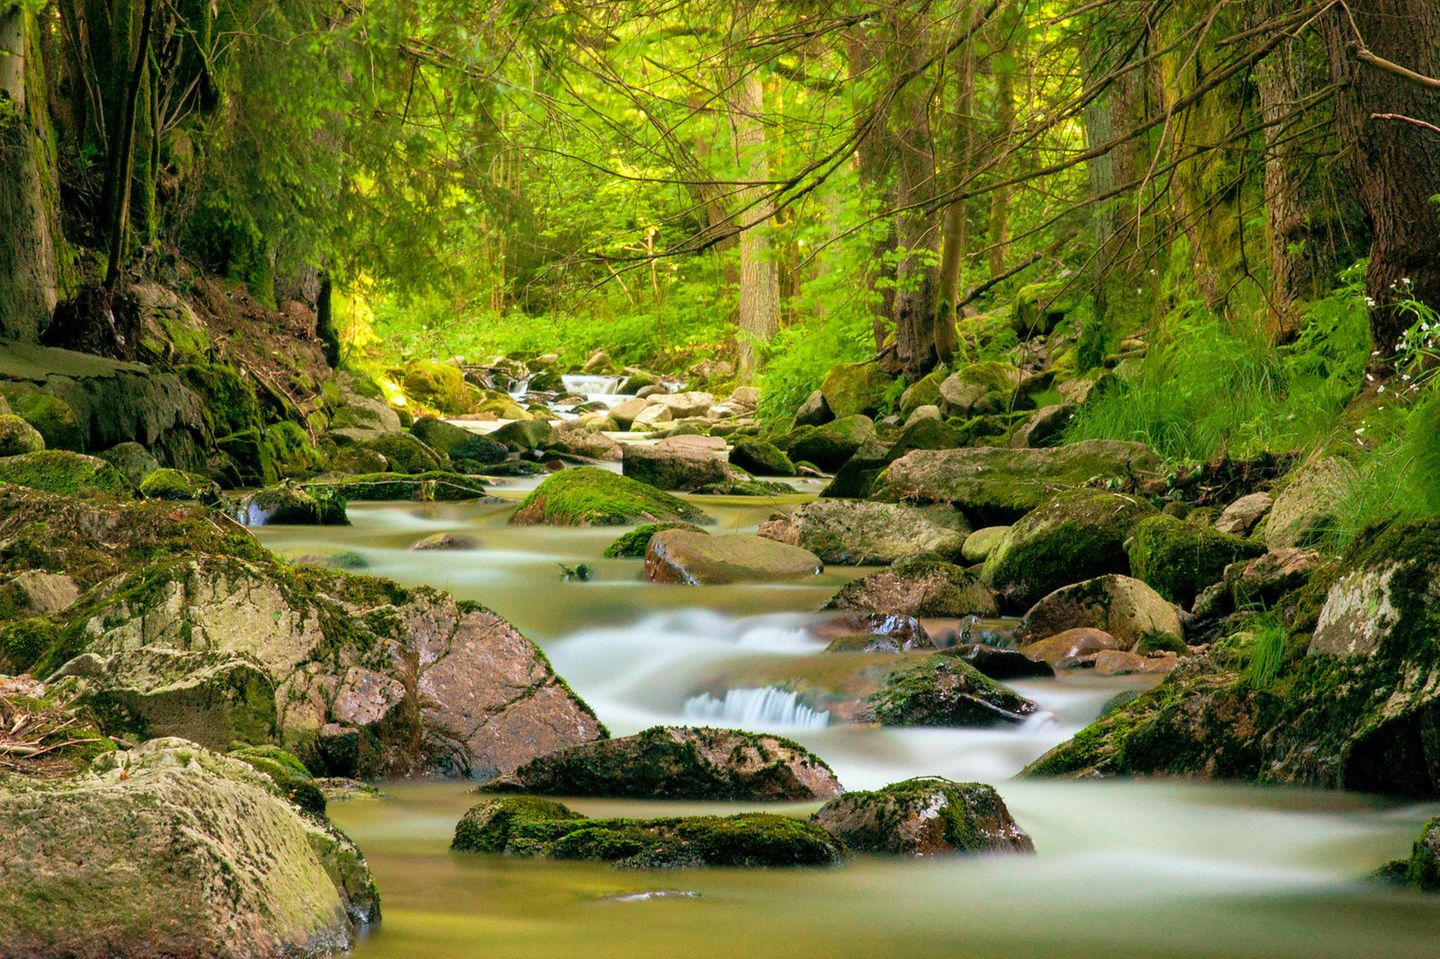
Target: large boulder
point(856, 388)
point(632, 545)
point(395, 487)
point(697, 559)
point(1241, 516)
point(440, 435)
point(856, 478)
point(590, 496)
point(180, 487)
point(440, 386)
point(169, 850)
point(1125, 608)
point(542, 828)
point(1074, 536)
point(925, 817)
point(861, 533)
point(357, 676)
point(945, 690)
point(1180, 559)
point(761, 458)
point(987, 387)
point(290, 505)
point(1309, 508)
point(830, 445)
point(1423, 869)
point(356, 412)
point(674, 467)
point(407, 454)
point(722, 765)
point(918, 587)
point(66, 473)
point(577, 439)
point(814, 411)
point(1073, 648)
point(523, 435)
point(1000, 485)
point(684, 405)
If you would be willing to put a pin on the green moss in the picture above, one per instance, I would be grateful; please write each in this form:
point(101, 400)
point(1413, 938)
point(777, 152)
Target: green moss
point(18, 437)
point(495, 825)
point(590, 496)
point(291, 451)
point(1179, 559)
point(292, 505)
point(65, 473)
point(633, 544)
point(439, 386)
point(857, 388)
point(406, 454)
point(761, 458)
point(945, 691)
point(178, 486)
point(431, 487)
point(51, 417)
point(288, 773)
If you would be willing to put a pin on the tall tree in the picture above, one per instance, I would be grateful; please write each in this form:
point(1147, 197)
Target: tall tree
point(1385, 58)
point(759, 306)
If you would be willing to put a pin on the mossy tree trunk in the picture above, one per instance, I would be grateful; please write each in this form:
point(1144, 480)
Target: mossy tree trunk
point(1387, 124)
point(30, 242)
point(759, 280)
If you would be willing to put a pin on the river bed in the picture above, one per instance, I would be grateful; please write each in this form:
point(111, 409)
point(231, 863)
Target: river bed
point(1140, 869)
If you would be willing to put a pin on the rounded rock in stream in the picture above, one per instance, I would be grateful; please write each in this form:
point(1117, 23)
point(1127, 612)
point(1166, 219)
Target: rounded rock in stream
point(695, 559)
point(919, 587)
point(925, 817)
point(943, 690)
point(679, 763)
point(861, 533)
point(1125, 608)
point(538, 828)
point(590, 496)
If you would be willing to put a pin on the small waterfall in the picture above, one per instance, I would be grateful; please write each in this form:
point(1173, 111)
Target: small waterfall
point(593, 385)
point(767, 708)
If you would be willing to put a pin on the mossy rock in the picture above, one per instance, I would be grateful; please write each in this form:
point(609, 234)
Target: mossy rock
point(65, 473)
point(249, 453)
point(590, 496)
point(179, 486)
point(829, 446)
point(162, 828)
point(291, 451)
point(523, 435)
point(1075, 536)
point(1180, 559)
point(439, 386)
point(988, 387)
point(406, 454)
point(17, 437)
point(923, 392)
point(925, 817)
point(679, 763)
point(230, 403)
point(53, 418)
point(761, 458)
point(633, 544)
point(290, 505)
point(1040, 307)
point(1307, 510)
point(857, 478)
point(856, 388)
point(919, 587)
point(435, 487)
point(522, 826)
point(132, 459)
point(944, 690)
point(441, 436)
point(287, 772)
point(1423, 869)
point(860, 533)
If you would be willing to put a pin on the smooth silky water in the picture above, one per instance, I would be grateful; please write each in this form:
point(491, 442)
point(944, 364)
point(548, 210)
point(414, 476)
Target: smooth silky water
point(1142, 869)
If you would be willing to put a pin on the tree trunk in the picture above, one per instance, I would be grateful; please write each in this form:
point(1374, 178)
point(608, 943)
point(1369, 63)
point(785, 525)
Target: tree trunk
point(759, 282)
point(917, 279)
point(1001, 200)
point(1393, 161)
point(122, 159)
point(29, 240)
point(875, 157)
point(957, 226)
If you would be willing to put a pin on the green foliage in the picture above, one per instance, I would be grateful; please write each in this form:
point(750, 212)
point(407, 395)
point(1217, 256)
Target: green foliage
point(1265, 654)
point(1207, 388)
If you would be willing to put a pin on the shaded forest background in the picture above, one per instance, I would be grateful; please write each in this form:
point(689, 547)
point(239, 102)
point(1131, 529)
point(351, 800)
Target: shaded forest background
point(1248, 188)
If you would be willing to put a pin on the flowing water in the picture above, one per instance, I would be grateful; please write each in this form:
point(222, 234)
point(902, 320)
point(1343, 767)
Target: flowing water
point(1141, 869)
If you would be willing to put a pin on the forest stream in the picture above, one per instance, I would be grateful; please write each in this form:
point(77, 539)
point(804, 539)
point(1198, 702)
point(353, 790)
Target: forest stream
point(1123, 869)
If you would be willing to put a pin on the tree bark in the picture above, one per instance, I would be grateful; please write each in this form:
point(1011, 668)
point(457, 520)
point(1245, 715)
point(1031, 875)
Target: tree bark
point(1394, 164)
point(122, 160)
point(759, 281)
point(957, 212)
point(29, 240)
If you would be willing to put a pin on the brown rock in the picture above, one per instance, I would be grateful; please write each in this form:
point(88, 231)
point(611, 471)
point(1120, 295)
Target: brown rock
point(923, 588)
point(1114, 662)
point(925, 817)
point(1125, 608)
point(1072, 649)
point(694, 559)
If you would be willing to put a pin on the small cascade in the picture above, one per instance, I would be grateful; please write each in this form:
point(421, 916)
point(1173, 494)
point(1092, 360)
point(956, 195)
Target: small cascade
point(767, 708)
point(593, 385)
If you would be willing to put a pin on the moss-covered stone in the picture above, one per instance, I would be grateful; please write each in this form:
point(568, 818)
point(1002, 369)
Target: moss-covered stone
point(54, 419)
point(923, 392)
point(860, 533)
point(633, 544)
point(1040, 307)
point(406, 454)
point(133, 460)
point(1179, 559)
point(1423, 870)
point(856, 388)
point(18, 437)
point(439, 435)
point(1077, 535)
point(918, 587)
point(291, 505)
point(438, 386)
point(65, 473)
point(761, 458)
point(1307, 511)
point(590, 496)
point(988, 387)
point(697, 559)
point(925, 817)
point(529, 827)
point(522, 435)
point(946, 691)
point(1121, 606)
point(994, 485)
point(679, 763)
point(441, 487)
point(829, 446)
point(287, 772)
point(179, 486)
point(291, 451)
point(162, 828)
